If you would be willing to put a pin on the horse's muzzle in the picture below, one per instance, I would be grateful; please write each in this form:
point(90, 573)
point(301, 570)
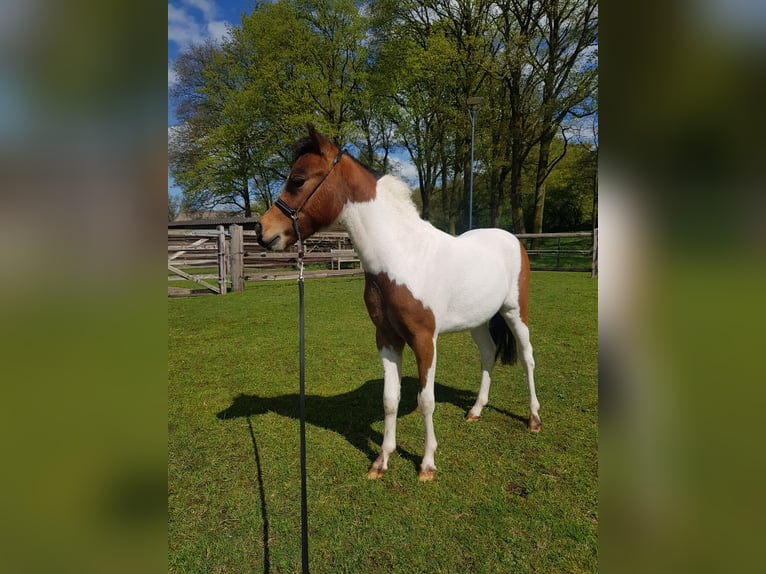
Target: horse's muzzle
point(267, 242)
point(259, 232)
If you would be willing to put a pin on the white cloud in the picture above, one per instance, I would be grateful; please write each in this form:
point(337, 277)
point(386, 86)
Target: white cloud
point(207, 7)
point(218, 30)
point(191, 21)
point(172, 76)
point(183, 28)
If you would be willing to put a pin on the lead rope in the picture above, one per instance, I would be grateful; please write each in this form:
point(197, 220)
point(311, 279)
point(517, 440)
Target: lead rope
point(293, 215)
point(302, 404)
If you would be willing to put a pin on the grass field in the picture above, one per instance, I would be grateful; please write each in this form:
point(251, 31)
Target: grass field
point(504, 499)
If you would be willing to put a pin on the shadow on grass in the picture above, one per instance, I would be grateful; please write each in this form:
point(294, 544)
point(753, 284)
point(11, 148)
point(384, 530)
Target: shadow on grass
point(352, 414)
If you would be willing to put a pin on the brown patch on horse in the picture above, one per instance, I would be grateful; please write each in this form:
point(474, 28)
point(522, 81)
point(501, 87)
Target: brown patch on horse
point(524, 276)
point(349, 183)
point(400, 317)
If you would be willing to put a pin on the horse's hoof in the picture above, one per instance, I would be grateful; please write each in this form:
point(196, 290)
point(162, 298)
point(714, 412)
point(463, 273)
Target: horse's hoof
point(472, 418)
point(534, 423)
point(374, 473)
point(427, 475)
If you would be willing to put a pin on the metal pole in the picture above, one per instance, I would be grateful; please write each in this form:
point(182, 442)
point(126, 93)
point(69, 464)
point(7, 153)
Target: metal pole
point(473, 109)
point(472, 112)
point(302, 413)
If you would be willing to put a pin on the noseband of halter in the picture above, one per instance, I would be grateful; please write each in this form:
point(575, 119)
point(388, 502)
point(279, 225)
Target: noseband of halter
point(293, 213)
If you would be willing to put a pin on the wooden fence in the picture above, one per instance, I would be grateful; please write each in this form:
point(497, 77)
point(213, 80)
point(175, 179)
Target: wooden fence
point(225, 258)
point(216, 259)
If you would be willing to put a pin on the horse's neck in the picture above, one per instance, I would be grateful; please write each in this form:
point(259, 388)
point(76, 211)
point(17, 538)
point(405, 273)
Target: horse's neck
point(386, 231)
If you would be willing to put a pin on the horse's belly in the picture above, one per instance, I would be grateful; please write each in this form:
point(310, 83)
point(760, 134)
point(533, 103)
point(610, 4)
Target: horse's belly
point(469, 304)
point(466, 313)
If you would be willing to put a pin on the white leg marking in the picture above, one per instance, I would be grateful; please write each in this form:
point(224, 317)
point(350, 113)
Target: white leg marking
point(427, 404)
point(486, 345)
point(392, 368)
point(521, 332)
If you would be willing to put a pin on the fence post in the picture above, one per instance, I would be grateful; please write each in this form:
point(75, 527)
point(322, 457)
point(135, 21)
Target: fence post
point(594, 267)
point(221, 260)
point(237, 258)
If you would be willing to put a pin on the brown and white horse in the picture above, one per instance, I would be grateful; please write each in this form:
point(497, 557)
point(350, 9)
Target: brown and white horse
point(419, 281)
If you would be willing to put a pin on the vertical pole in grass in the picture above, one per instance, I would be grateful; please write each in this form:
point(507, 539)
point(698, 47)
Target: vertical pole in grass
point(221, 260)
point(302, 403)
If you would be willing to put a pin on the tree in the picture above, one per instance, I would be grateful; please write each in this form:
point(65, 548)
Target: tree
point(390, 75)
point(436, 50)
point(211, 151)
point(329, 51)
point(565, 58)
point(569, 204)
point(547, 63)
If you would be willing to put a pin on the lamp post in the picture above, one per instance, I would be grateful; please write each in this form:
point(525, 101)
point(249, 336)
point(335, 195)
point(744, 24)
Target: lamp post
point(473, 110)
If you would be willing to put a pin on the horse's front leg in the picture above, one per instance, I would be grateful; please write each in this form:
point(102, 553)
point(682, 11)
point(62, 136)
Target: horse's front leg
point(425, 355)
point(391, 356)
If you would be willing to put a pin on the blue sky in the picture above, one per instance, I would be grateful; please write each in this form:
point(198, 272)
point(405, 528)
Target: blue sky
point(192, 21)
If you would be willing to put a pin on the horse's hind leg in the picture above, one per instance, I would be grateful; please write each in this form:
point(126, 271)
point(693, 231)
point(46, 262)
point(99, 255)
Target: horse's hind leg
point(521, 333)
point(486, 345)
point(391, 356)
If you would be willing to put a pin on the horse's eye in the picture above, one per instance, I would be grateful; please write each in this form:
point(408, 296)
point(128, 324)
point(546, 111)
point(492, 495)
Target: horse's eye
point(297, 181)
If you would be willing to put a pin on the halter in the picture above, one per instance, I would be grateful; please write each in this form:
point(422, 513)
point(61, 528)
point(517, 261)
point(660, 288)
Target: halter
point(293, 213)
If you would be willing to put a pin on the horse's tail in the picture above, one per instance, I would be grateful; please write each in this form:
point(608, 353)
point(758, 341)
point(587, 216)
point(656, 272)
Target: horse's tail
point(504, 340)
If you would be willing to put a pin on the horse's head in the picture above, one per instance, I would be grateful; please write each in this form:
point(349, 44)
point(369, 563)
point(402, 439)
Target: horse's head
point(313, 195)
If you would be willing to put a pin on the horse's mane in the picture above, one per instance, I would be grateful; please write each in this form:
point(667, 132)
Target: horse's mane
point(401, 193)
point(309, 145)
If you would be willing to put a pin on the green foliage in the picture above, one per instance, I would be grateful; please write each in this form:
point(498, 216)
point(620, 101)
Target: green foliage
point(380, 75)
point(504, 500)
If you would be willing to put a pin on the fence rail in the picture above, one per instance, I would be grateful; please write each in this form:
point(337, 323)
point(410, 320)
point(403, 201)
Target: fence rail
point(219, 259)
point(534, 244)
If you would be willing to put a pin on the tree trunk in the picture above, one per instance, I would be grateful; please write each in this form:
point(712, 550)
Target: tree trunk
point(542, 172)
point(543, 158)
point(517, 209)
point(518, 155)
point(467, 181)
point(246, 197)
point(425, 197)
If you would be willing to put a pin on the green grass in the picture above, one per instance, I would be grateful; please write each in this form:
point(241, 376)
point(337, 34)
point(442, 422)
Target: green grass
point(504, 499)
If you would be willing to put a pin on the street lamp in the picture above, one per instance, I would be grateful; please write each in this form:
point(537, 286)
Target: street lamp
point(473, 109)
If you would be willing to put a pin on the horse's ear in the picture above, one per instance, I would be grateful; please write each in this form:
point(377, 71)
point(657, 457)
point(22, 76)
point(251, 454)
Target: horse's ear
point(315, 137)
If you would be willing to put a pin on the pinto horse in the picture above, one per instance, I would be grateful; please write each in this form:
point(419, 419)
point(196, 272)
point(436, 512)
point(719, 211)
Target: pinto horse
point(419, 281)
